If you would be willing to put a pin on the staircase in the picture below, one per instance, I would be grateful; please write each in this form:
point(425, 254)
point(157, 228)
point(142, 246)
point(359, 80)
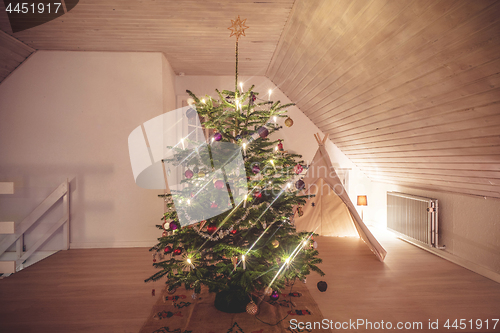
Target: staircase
point(11, 232)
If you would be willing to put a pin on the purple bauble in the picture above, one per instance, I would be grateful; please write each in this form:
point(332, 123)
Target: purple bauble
point(299, 185)
point(263, 132)
point(173, 226)
point(217, 136)
point(219, 184)
point(274, 295)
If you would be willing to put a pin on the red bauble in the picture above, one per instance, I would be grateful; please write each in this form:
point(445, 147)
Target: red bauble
point(164, 234)
point(168, 249)
point(219, 184)
point(257, 195)
point(178, 251)
point(189, 174)
point(280, 146)
point(298, 169)
point(234, 231)
point(212, 227)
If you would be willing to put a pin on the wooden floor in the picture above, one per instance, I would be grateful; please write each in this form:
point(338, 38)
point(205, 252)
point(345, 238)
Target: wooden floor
point(411, 285)
point(102, 290)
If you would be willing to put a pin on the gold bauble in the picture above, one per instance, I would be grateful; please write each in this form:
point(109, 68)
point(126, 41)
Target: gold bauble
point(268, 291)
point(275, 243)
point(201, 174)
point(252, 308)
point(288, 122)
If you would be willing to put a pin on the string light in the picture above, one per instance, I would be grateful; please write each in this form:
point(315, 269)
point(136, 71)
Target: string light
point(270, 92)
point(244, 149)
point(241, 86)
point(203, 101)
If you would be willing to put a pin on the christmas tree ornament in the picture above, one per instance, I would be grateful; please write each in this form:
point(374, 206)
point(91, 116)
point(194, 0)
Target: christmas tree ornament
point(322, 286)
point(201, 174)
point(167, 249)
point(165, 225)
point(191, 113)
point(315, 244)
point(234, 231)
point(188, 174)
point(194, 296)
point(252, 308)
point(196, 169)
point(263, 132)
point(268, 291)
point(255, 169)
point(304, 280)
point(212, 227)
point(288, 122)
point(213, 205)
point(274, 295)
point(164, 234)
point(153, 292)
point(280, 145)
point(217, 136)
point(275, 243)
point(252, 97)
point(173, 225)
point(257, 195)
point(219, 184)
point(178, 251)
point(298, 169)
point(300, 211)
point(299, 184)
point(154, 259)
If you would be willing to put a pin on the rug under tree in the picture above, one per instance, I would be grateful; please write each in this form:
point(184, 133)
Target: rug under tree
point(180, 312)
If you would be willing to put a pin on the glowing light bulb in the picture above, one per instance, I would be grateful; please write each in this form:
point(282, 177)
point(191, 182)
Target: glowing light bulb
point(213, 139)
point(276, 148)
point(287, 260)
point(241, 86)
point(189, 260)
point(244, 149)
point(189, 201)
point(270, 92)
point(275, 118)
point(203, 101)
point(243, 260)
point(289, 184)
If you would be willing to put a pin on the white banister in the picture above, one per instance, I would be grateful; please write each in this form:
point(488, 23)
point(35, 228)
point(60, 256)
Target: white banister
point(17, 236)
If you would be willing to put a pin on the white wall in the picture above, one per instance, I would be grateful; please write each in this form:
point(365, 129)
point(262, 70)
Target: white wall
point(68, 115)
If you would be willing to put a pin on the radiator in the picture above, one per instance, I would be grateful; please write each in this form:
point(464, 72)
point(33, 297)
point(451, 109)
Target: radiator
point(414, 217)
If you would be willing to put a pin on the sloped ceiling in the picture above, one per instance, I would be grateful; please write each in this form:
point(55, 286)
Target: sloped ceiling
point(408, 90)
point(12, 54)
point(193, 35)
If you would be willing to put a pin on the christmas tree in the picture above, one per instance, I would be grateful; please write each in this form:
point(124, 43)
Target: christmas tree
point(252, 244)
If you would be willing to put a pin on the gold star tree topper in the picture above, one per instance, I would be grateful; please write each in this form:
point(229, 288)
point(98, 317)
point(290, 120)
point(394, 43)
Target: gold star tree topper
point(238, 27)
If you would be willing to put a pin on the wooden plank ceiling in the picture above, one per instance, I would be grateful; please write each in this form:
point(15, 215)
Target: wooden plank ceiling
point(408, 90)
point(12, 54)
point(193, 35)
